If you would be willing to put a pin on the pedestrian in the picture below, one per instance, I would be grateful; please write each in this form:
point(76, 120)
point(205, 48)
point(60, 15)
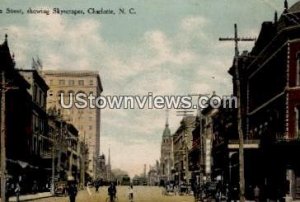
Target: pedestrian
point(97, 186)
point(72, 191)
point(17, 191)
point(130, 193)
point(256, 193)
point(176, 190)
point(112, 191)
point(34, 187)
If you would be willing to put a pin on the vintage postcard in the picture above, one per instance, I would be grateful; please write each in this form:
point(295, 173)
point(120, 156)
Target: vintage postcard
point(150, 100)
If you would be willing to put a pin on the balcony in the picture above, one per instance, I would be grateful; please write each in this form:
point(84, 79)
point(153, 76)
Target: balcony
point(248, 144)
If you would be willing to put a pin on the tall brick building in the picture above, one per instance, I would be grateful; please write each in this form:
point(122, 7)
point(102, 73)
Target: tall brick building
point(270, 97)
point(87, 120)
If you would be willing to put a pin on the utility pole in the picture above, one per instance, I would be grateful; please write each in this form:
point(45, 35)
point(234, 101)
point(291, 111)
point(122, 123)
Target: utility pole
point(236, 39)
point(53, 165)
point(201, 139)
point(3, 137)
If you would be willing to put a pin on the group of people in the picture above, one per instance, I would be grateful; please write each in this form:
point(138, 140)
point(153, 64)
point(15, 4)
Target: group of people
point(112, 191)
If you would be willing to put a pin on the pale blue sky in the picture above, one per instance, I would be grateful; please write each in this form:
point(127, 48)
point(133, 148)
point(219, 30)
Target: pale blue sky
point(168, 47)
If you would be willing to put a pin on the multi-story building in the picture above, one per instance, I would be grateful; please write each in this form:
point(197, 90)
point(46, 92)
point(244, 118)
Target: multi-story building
point(270, 97)
point(38, 92)
point(166, 158)
point(153, 175)
point(39, 141)
point(66, 152)
point(182, 143)
point(87, 120)
point(213, 138)
point(102, 168)
point(18, 121)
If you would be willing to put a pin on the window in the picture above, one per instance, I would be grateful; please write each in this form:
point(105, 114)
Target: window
point(51, 82)
point(91, 82)
point(298, 70)
point(34, 148)
point(34, 92)
point(90, 127)
point(71, 82)
point(41, 146)
point(61, 82)
point(40, 98)
point(81, 82)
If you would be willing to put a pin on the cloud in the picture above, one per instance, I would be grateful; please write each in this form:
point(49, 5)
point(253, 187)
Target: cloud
point(192, 23)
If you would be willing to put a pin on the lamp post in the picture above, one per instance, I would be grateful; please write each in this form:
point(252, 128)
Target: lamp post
point(53, 167)
point(56, 141)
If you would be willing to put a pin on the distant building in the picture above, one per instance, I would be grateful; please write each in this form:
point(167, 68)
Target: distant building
point(166, 155)
point(66, 149)
point(153, 175)
point(182, 144)
point(86, 120)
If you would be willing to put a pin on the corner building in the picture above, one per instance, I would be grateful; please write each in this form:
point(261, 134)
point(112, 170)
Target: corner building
point(270, 97)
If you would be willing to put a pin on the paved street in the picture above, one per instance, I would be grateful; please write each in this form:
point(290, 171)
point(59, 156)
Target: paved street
point(142, 194)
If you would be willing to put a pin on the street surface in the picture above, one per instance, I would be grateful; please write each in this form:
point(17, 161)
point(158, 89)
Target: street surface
point(142, 194)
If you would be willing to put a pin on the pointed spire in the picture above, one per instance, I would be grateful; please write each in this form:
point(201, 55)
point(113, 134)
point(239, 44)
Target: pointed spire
point(167, 118)
point(6, 38)
point(286, 5)
point(275, 17)
point(108, 156)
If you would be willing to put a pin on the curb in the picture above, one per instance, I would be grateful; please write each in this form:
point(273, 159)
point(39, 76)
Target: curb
point(31, 197)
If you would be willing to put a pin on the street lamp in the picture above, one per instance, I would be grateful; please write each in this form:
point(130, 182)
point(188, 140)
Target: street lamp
point(56, 138)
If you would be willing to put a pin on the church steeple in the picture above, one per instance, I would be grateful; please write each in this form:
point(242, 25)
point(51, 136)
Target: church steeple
point(108, 157)
point(286, 6)
point(167, 131)
point(167, 118)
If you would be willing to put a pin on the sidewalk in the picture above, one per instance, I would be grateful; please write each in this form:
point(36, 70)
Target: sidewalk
point(31, 196)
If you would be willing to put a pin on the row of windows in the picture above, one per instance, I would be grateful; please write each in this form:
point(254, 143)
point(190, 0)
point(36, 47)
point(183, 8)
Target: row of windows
point(66, 94)
point(38, 96)
point(63, 82)
point(38, 123)
point(82, 127)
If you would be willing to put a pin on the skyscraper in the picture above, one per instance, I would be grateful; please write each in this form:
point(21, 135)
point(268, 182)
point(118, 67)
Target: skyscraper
point(86, 120)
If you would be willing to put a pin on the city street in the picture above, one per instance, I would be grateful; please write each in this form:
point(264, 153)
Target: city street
point(142, 194)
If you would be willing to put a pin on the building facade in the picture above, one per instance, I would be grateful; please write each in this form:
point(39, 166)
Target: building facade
point(270, 97)
point(20, 166)
point(182, 144)
point(166, 158)
point(87, 120)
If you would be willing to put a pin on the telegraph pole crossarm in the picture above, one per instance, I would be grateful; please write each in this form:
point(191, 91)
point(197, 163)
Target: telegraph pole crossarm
point(236, 39)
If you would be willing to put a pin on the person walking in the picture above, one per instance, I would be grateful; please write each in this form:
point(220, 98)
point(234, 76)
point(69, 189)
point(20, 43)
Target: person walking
point(256, 193)
point(72, 191)
point(130, 193)
point(18, 191)
point(112, 191)
point(97, 185)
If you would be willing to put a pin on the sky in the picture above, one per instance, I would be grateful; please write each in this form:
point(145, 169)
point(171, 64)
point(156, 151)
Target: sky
point(169, 47)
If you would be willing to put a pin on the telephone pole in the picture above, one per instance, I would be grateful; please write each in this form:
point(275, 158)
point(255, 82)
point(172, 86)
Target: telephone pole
point(236, 39)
